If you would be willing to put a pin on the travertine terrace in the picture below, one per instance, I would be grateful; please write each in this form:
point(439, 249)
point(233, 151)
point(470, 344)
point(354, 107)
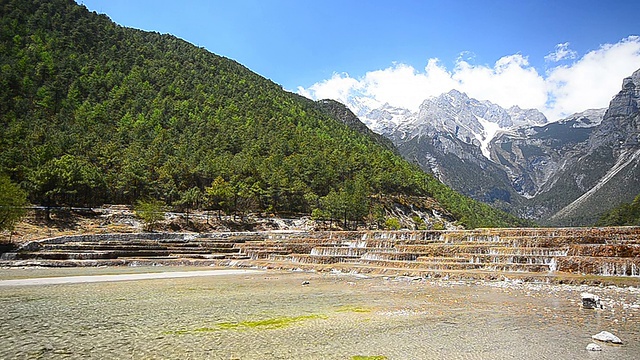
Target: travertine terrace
point(536, 252)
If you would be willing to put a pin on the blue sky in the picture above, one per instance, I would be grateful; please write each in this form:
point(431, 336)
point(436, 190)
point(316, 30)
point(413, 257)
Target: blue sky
point(351, 48)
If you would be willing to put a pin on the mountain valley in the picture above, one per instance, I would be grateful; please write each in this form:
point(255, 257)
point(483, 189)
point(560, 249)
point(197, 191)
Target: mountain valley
point(567, 172)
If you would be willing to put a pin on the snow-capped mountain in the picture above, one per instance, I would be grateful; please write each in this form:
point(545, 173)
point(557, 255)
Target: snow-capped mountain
point(533, 155)
point(471, 121)
point(562, 173)
point(385, 119)
point(606, 172)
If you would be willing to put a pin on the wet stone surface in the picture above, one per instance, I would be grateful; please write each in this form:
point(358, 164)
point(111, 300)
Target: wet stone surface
point(335, 316)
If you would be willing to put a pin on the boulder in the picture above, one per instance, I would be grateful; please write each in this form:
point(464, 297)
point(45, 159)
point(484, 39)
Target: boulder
point(607, 337)
point(594, 347)
point(590, 301)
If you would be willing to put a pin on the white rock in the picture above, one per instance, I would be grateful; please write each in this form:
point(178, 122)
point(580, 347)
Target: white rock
point(606, 336)
point(594, 347)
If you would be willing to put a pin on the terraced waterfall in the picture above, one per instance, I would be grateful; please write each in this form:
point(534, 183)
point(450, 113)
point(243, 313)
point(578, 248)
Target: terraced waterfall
point(482, 253)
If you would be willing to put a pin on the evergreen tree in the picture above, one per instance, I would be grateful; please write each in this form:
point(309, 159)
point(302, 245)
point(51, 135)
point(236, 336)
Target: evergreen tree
point(13, 201)
point(150, 211)
point(623, 215)
point(93, 112)
point(220, 195)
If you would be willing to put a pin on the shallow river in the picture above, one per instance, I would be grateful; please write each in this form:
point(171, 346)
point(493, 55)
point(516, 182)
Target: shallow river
point(272, 315)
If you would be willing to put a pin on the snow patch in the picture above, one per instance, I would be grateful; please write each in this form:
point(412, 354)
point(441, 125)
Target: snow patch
point(489, 132)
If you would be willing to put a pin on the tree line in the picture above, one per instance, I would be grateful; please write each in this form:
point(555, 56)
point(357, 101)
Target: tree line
point(627, 214)
point(96, 113)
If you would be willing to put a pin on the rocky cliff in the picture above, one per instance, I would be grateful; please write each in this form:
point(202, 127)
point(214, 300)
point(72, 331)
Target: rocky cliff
point(563, 173)
point(607, 167)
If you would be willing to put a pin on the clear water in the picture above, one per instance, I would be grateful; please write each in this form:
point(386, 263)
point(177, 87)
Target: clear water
point(333, 317)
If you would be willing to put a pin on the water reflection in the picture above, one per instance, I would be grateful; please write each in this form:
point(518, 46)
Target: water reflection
point(334, 317)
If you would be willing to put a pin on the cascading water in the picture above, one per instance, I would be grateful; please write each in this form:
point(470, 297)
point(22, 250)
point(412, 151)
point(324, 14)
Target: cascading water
point(338, 251)
point(604, 252)
point(356, 244)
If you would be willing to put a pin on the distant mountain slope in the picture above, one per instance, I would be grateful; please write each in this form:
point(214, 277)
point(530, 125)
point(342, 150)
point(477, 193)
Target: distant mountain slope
point(627, 214)
point(563, 173)
point(93, 112)
point(607, 165)
point(451, 135)
point(532, 155)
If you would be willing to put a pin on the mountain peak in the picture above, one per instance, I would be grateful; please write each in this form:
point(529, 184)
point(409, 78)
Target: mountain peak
point(627, 101)
point(456, 94)
point(472, 121)
point(563, 173)
point(585, 119)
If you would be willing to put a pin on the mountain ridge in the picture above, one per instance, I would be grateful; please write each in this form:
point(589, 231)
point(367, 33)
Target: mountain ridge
point(95, 112)
point(533, 168)
point(469, 119)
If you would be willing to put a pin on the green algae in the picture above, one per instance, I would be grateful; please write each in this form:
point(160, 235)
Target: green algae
point(265, 324)
point(355, 309)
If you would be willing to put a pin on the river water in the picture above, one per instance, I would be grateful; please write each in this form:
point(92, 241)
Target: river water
point(272, 315)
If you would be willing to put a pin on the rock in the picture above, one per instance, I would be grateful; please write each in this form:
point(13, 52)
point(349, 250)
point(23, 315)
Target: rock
point(594, 347)
point(304, 283)
point(606, 336)
point(626, 102)
point(590, 301)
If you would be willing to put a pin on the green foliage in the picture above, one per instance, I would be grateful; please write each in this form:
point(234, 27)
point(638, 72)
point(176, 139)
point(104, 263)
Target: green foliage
point(419, 223)
point(12, 203)
point(376, 217)
point(68, 180)
point(349, 203)
point(392, 224)
point(93, 112)
point(189, 200)
point(319, 214)
point(438, 226)
point(220, 195)
point(150, 211)
point(623, 215)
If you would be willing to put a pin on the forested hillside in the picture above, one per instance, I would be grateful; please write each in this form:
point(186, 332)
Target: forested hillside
point(92, 113)
point(623, 215)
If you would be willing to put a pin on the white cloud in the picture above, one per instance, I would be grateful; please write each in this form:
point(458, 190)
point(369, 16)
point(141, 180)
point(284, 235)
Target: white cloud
point(586, 83)
point(511, 81)
point(562, 52)
point(401, 85)
point(339, 87)
point(593, 80)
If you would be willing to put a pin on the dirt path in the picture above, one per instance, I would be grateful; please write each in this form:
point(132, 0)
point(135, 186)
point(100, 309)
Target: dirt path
point(122, 277)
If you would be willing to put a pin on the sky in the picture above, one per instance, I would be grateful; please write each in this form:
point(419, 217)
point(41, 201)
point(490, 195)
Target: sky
point(558, 56)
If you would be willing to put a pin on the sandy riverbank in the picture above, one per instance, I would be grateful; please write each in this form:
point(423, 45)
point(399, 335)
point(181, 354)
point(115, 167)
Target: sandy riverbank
point(123, 277)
